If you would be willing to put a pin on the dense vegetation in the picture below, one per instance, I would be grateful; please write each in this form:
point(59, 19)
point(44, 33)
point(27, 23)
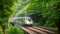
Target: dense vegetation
point(43, 12)
point(7, 7)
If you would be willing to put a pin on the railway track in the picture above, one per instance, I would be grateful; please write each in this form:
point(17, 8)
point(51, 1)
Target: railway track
point(34, 29)
point(37, 30)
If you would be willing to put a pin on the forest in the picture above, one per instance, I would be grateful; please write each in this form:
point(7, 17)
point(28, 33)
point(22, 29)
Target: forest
point(43, 13)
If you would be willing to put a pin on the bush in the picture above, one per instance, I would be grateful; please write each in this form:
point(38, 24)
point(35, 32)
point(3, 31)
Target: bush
point(1, 31)
point(14, 30)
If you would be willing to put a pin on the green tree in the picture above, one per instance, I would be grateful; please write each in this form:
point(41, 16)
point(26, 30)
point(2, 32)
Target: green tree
point(57, 5)
point(44, 10)
point(7, 7)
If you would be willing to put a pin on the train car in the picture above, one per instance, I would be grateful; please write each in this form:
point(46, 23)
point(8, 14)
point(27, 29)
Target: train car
point(25, 21)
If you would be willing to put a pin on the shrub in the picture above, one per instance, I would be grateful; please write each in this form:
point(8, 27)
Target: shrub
point(14, 30)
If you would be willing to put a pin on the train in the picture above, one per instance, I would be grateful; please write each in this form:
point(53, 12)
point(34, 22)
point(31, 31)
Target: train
point(25, 21)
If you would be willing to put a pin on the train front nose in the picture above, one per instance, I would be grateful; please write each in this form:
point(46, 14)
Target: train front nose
point(28, 22)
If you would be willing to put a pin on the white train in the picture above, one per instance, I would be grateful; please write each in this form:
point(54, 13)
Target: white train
point(25, 21)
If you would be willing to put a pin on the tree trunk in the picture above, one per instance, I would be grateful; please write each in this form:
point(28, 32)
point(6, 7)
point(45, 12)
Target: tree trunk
point(4, 29)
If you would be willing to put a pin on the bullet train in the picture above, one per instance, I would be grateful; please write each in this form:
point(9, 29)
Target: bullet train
point(25, 21)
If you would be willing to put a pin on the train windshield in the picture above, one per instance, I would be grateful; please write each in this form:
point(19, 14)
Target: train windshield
point(29, 19)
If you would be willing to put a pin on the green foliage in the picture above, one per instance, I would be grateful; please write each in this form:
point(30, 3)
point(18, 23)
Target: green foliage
point(1, 31)
point(14, 30)
point(7, 7)
point(46, 9)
